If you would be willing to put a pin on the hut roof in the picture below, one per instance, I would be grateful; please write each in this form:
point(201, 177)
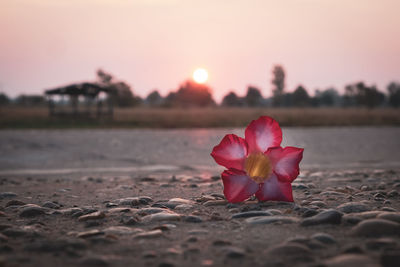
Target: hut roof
point(86, 89)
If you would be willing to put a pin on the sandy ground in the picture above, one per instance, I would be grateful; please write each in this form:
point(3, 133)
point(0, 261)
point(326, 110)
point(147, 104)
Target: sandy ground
point(154, 198)
point(136, 220)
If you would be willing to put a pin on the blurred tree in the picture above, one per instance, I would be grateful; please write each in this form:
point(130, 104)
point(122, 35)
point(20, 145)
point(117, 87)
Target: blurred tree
point(300, 97)
point(4, 99)
point(363, 95)
point(122, 93)
point(253, 97)
point(30, 100)
point(232, 100)
point(154, 98)
point(278, 82)
point(329, 97)
point(394, 94)
point(191, 94)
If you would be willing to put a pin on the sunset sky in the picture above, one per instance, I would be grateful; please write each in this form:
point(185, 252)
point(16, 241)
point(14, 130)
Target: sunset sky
point(159, 43)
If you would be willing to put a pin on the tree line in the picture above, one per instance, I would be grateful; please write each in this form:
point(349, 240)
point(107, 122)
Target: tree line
point(191, 94)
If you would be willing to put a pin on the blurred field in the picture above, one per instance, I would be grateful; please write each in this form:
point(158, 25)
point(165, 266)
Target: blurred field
point(18, 117)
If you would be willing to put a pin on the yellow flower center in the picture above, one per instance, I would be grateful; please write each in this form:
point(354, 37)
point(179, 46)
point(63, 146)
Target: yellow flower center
point(258, 167)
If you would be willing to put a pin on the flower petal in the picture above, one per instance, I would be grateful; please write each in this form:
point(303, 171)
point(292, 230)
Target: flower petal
point(274, 189)
point(263, 133)
point(285, 161)
point(237, 185)
point(231, 152)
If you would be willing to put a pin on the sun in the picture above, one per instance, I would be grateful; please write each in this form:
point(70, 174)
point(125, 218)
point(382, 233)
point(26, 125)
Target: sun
point(200, 75)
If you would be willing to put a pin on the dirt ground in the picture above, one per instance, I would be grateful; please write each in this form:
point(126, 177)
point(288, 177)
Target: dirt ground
point(339, 218)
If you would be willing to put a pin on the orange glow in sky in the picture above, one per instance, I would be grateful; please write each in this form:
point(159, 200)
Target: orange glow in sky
point(156, 44)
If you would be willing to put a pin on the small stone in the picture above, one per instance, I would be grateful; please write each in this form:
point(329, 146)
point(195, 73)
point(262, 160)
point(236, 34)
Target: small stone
point(149, 234)
point(215, 203)
point(234, 252)
point(90, 233)
point(271, 219)
point(2, 214)
point(184, 207)
point(324, 238)
point(330, 216)
point(319, 204)
point(92, 216)
point(128, 201)
point(180, 201)
point(376, 228)
point(31, 210)
point(129, 220)
point(248, 214)
point(15, 202)
point(153, 210)
point(70, 211)
point(352, 207)
point(391, 216)
point(192, 219)
point(274, 211)
point(51, 205)
point(4, 195)
point(161, 216)
point(381, 243)
point(350, 260)
point(121, 230)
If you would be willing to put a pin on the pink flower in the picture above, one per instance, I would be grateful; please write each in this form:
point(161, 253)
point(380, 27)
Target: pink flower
point(258, 164)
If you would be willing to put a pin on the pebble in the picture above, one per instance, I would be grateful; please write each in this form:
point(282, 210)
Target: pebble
point(330, 216)
point(128, 201)
point(215, 203)
point(121, 230)
point(248, 214)
point(51, 205)
point(15, 202)
point(274, 211)
point(324, 238)
point(271, 219)
point(376, 228)
point(161, 216)
point(381, 243)
point(2, 214)
point(391, 216)
point(352, 207)
point(350, 260)
point(31, 210)
point(4, 195)
point(92, 216)
point(70, 211)
point(234, 252)
point(90, 233)
point(319, 204)
point(153, 210)
point(149, 234)
point(181, 201)
point(192, 219)
point(184, 207)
